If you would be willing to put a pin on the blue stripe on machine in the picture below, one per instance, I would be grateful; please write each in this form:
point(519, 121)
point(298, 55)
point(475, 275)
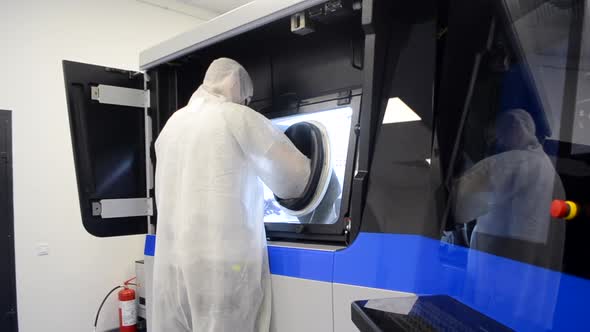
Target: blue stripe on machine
point(301, 263)
point(292, 262)
point(522, 296)
point(150, 245)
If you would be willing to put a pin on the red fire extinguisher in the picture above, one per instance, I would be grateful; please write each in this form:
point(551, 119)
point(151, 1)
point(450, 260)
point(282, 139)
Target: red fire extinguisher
point(127, 309)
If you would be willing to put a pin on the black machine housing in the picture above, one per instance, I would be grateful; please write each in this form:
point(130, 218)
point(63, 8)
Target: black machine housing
point(354, 51)
point(448, 61)
point(289, 71)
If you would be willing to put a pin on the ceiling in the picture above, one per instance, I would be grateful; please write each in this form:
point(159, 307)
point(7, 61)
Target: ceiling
point(220, 6)
point(200, 9)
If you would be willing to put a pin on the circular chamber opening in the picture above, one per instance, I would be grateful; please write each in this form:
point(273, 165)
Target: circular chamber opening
point(311, 138)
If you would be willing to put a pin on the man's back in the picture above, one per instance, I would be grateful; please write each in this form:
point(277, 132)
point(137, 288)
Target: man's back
point(211, 268)
point(522, 187)
point(205, 193)
point(209, 228)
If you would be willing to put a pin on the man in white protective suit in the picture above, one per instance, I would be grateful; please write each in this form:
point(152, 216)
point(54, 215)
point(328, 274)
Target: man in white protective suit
point(509, 196)
point(510, 192)
point(211, 268)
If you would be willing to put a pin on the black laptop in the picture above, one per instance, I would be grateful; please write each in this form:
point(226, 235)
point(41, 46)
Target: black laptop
point(421, 313)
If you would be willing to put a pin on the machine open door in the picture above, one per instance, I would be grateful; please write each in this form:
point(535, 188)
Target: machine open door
point(109, 122)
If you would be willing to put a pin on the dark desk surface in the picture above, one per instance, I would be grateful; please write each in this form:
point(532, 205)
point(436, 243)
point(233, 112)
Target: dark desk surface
point(420, 313)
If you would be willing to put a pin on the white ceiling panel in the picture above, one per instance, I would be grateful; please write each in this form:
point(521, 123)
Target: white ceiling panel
point(182, 8)
point(220, 6)
point(201, 9)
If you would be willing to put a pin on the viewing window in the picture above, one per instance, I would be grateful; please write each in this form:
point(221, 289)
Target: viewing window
point(337, 123)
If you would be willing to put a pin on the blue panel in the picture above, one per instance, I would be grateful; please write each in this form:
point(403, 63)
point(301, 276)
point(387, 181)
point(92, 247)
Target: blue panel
point(301, 263)
point(150, 245)
point(522, 296)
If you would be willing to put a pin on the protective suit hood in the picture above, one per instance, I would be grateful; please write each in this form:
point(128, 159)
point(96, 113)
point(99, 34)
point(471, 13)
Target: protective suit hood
point(227, 79)
point(515, 130)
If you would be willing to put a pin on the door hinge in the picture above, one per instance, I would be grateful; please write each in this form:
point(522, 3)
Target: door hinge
point(124, 207)
point(4, 157)
point(116, 95)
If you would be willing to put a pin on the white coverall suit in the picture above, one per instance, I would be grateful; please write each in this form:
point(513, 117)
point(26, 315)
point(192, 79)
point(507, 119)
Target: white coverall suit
point(510, 194)
point(211, 268)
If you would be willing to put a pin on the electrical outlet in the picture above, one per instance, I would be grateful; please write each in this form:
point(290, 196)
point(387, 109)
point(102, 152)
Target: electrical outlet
point(42, 249)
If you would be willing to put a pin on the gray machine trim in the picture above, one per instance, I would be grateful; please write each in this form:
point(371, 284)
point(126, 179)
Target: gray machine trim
point(245, 18)
point(141, 291)
point(124, 207)
point(149, 165)
point(308, 246)
point(116, 95)
point(132, 207)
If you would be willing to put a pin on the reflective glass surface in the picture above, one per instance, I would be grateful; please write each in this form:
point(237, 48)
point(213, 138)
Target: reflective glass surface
point(525, 120)
point(507, 135)
point(483, 123)
point(337, 123)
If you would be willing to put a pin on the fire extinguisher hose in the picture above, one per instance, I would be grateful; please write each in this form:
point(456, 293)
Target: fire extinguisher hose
point(103, 301)
point(125, 284)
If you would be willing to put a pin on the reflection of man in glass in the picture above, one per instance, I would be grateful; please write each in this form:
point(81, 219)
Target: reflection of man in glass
point(509, 194)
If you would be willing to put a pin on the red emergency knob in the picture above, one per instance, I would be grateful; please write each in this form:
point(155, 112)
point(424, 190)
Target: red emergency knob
point(564, 209)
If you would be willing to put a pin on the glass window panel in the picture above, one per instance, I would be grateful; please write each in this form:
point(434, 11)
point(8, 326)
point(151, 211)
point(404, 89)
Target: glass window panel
point(337, 123)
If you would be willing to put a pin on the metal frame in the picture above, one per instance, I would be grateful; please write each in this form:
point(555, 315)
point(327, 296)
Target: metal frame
point(124, 207)
point(325, 232)
point(149, 165)
point(127, 207)
point(116, 95)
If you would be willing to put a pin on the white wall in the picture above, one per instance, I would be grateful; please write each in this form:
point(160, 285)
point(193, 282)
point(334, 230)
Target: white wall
point(61, 291)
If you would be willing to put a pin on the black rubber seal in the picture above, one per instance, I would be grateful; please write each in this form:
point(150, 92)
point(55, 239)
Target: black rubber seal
point(308, 139)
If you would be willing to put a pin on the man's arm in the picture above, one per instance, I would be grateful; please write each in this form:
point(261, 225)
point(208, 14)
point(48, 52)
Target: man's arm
point(278, 163)
point(472, 192)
